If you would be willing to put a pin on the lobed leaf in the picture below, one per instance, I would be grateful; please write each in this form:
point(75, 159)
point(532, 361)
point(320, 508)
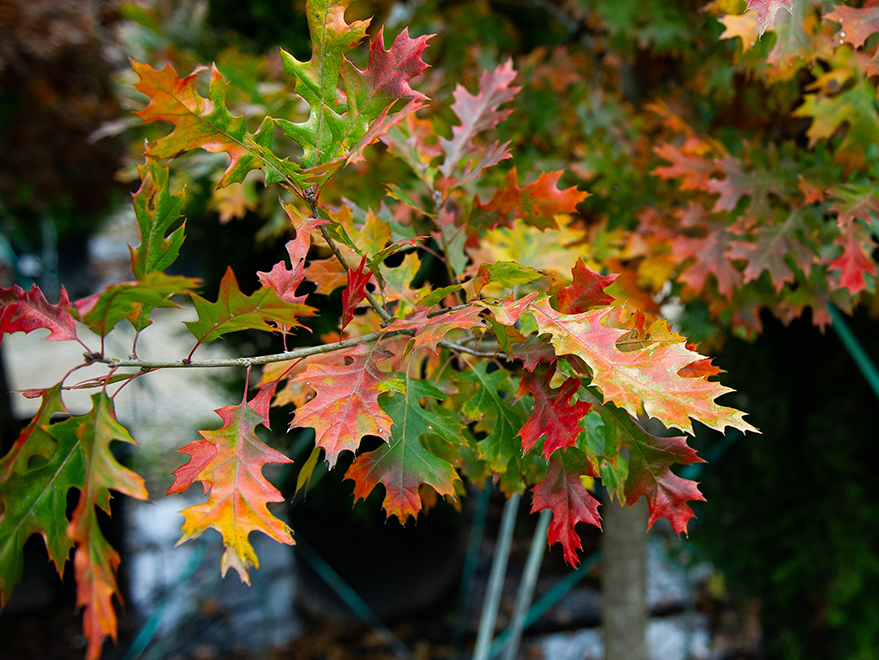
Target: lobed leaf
point(345, 407)
point(555, 415)
point(156, 210)
point(25, 311)
point(403, 465)
point(641, 381)
point(563, 493)
point(229, 463)
point(233, 311)
point(95, 560)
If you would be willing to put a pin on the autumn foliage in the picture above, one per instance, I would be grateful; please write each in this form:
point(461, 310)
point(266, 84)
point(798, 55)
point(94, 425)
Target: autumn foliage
point(528, 357)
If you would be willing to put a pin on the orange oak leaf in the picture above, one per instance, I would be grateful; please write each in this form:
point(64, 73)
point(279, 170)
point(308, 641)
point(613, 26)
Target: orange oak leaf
point(229, 462)
point(536, 204)
point(555, 415)
point(25, 311)
point(206, 123)
point(327, 274)
point(430, 330)
point(856, 25)
point(95, 561)
point(641, 381)
point(282, 280)
point(563, 493)
point(345, 407)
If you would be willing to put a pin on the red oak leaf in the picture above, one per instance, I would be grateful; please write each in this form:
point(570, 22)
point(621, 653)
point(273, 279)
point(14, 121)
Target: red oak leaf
point(586, 292)
point(692, 161)
point(645, 380)
point(705, 242)
point(25, 311)
point(327, 274)
point(856, 24)
point(390, 71)
point(536, 204)
point(477, 114)
point(769, 252)
point(563, 493)
point(856, 259)
point(345, 407)
point(355, 292)
point(404, 465)
point(649, 466)
point(229, 463)
point(766, 10)
point(284, 281)
point(554, 414)
point(430, 330)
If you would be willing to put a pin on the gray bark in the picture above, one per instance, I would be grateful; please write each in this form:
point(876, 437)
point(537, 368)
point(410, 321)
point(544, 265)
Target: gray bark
point(624, 581)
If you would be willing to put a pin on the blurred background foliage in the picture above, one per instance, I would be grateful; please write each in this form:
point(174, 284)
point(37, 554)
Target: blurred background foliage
point(788, 119)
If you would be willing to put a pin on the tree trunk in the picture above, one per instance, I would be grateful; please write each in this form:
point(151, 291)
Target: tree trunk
point(624, 581)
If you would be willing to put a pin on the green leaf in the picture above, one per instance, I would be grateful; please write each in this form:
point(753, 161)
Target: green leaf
point(338, 122)
point(403, 465)
point(156, 210)
point(489, 404)
point(132, 301)
point(35, 477)
point(234, 311)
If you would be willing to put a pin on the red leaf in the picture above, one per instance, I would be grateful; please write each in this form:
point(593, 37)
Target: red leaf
point(856, 258)
point(586, 292)
point(536, 204)
point(564, 494)
point(355, 292)
point(553, 414)
point(283, 281)
point(229, 462)
point(650, 476)
point(390, 71)
point(766, 10)
point(22, 311)
point(345, 407)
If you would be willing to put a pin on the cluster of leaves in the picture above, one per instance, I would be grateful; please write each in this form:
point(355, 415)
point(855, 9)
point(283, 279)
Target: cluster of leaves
point(519, 360)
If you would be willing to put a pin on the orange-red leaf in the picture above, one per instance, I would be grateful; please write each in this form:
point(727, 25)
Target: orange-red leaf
point(645, 380)
point(345, 407)
point(857, 24)
point(229, 462)
point(536, 204)
point(282, 280)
